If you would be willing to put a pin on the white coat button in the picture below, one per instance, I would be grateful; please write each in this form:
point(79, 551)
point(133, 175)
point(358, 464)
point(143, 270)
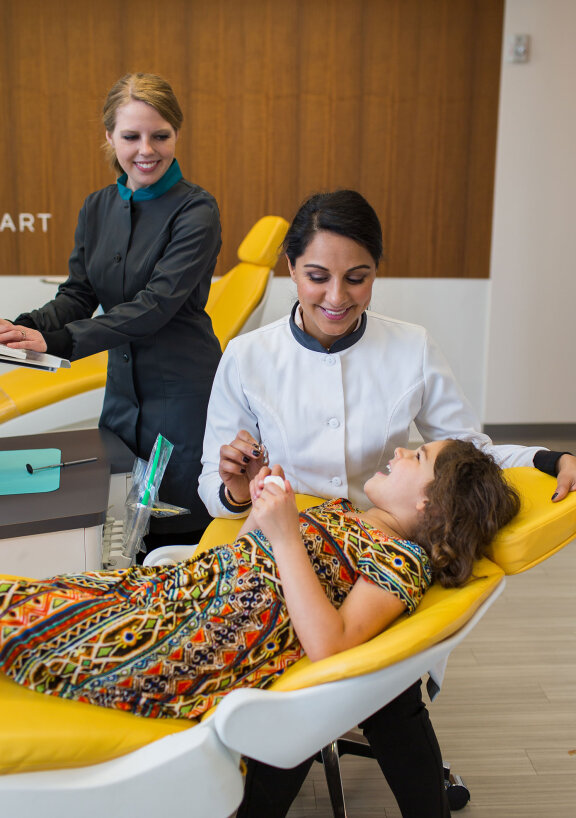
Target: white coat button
point(336, 481)
point(329, 360)
point(334, 423)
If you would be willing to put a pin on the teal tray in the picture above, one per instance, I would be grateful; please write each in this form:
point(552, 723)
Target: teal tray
point(14, 478)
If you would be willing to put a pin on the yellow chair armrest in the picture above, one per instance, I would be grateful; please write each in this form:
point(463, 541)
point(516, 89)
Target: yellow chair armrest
point(23, 390)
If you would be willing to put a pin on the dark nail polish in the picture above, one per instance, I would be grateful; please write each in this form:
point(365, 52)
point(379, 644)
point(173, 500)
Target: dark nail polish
point(555, 495)
point(243, 471)
point(256, 452)
point(246, 459)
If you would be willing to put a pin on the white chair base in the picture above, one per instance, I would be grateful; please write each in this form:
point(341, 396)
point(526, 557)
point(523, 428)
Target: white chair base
point(188, 773)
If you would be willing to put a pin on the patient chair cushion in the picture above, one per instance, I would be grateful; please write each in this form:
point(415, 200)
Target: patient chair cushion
point(541, 528)
point(43, 732)
point(40, 732)
point(225, 530)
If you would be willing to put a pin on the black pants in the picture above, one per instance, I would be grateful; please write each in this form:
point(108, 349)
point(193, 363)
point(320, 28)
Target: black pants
point(404, 743)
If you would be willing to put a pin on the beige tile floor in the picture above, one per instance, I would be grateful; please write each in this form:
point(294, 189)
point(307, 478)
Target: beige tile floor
point(506, 716)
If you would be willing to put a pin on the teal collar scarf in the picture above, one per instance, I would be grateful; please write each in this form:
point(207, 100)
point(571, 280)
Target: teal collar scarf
point(172, 175)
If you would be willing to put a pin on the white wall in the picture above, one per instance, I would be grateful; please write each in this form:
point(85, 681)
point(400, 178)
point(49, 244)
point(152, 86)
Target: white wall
point(532, 322)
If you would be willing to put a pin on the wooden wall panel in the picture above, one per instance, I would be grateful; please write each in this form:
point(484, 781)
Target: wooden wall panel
point(397, 98)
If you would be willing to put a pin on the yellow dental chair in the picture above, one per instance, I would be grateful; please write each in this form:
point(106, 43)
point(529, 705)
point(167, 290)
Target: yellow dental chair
point(237, 300)
point(32, 401)
point(67, 758)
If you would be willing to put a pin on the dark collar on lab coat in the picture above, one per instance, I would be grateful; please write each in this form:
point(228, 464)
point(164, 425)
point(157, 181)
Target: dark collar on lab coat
point(338, 346)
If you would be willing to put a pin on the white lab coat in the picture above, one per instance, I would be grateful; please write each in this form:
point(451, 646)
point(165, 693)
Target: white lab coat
point(332, 419)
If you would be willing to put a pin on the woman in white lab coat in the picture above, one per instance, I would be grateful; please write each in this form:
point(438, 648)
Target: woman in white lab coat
point(330, 391)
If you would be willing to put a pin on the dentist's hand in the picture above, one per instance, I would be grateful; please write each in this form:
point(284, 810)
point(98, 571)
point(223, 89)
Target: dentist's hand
point(240, 462)
point(566, 477)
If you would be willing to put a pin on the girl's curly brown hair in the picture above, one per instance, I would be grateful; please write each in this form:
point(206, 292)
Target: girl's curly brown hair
point(469, 500)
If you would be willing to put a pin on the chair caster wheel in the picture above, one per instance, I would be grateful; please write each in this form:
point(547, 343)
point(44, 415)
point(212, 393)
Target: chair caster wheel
point(457, 792)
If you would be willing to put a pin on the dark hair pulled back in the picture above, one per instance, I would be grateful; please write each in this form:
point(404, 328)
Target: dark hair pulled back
point(345, 212)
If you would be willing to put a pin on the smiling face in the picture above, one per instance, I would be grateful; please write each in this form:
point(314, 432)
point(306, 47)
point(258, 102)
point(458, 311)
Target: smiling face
point(144, 143)
point(334, 278)
point(409, 473)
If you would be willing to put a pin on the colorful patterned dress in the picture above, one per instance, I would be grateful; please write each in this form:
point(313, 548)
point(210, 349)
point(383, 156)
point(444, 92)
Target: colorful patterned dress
point(171, 641)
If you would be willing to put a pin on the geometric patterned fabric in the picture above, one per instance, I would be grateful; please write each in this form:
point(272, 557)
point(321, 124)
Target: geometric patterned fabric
point(171, 641)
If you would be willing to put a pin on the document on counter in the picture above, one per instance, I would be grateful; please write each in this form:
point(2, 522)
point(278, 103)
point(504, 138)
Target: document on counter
point(29, 358)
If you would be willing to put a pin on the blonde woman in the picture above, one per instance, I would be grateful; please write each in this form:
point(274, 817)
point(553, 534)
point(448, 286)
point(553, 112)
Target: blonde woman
point(145, 250)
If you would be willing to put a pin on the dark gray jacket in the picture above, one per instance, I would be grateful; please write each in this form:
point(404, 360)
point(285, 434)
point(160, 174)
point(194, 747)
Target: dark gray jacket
point(149, 265)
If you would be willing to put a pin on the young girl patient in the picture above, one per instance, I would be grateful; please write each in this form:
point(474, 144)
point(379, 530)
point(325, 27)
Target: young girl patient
point(171, 641)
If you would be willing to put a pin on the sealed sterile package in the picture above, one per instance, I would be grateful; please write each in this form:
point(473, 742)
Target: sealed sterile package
point(142, 502)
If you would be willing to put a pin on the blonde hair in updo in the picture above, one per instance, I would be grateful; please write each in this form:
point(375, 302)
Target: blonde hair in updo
point(148, 88)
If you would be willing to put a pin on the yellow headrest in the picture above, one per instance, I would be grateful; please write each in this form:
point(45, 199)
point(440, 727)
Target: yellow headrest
point(262, 244)
point(540, 529)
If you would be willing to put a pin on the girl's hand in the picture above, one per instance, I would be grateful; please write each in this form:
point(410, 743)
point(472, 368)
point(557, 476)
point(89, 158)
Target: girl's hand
point(257, 484)
point(17, 337)
point(274, 511)
point(240, 462)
